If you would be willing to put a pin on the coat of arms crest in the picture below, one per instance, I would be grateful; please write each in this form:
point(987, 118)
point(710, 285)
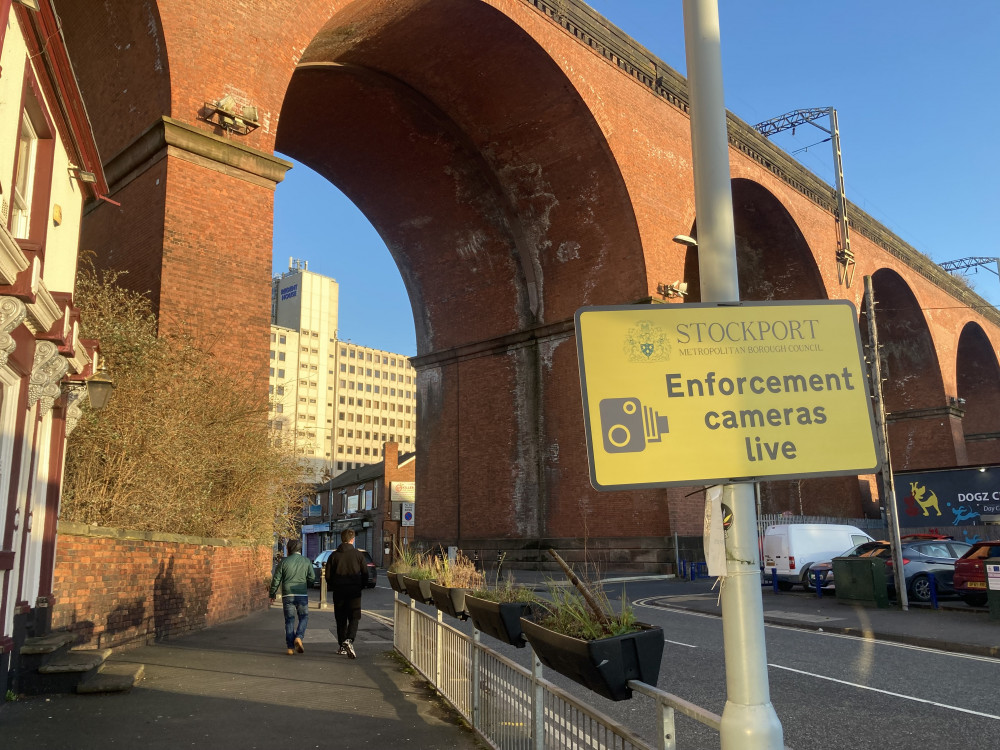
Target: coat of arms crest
point(646, 342)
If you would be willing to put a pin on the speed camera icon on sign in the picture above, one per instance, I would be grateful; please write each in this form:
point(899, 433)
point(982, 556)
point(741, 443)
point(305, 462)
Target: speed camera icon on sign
point(627, 425)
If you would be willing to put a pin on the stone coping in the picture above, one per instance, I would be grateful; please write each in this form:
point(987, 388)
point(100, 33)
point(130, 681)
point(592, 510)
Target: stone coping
point(74, 528)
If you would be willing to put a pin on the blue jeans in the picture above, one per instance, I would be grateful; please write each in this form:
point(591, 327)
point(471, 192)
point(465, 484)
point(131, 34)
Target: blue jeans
point(295, 606)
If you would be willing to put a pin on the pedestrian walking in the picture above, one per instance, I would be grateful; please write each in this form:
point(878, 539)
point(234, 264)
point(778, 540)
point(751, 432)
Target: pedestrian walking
point(294, 576)
point(346, 575)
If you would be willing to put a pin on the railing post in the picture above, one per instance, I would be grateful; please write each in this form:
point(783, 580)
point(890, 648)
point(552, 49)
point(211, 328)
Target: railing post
point(932, 581)
point(668, 734)
point(476, 721)
point(818, 585)
point(774, 579)
point(537, 703)
point(322, 591)
point(438, 655)
point(412, 611)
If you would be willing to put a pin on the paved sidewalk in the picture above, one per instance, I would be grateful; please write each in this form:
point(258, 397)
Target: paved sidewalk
point(233, 686)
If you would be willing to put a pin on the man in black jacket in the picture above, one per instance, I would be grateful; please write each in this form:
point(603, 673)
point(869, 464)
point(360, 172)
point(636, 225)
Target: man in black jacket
point(346, 574)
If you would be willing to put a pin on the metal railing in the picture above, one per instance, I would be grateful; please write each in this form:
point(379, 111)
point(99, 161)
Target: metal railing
point(512, 707)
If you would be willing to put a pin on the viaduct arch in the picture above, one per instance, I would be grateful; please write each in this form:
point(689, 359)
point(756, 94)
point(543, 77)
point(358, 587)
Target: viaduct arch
point(520, 158)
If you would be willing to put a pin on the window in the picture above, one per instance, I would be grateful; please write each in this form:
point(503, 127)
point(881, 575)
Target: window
point(376, 390)
point(281, 356)
point(352, 354)
point(368, 356)
point(368, 388)
point(280, 390)
point(351, 370)
point(343, 352)
point(271, 372)
point(340, 465)
point(281, 339)
point(341, 399)
point(272, 354)
point(272, 338)
point(279, 408)
point(343, 383)
point(368, 372)
point(340, 416)
point(343, 367)
point(24, 179)
point(281, 373)
point(392, 362)
point(350, 433)
point(270, 389)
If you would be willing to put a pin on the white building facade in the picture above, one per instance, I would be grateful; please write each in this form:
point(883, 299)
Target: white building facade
point(334, 403)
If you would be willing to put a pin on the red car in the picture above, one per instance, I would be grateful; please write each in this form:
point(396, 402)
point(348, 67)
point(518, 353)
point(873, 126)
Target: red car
point(970, 572)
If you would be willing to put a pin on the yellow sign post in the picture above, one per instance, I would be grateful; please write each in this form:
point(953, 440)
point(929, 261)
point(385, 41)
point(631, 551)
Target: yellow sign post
point(705, 393)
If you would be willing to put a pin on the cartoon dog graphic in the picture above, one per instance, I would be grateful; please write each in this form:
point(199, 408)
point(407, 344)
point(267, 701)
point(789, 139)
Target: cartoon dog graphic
point(917, 492)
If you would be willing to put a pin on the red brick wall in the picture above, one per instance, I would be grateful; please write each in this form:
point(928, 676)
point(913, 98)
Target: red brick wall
point(124, 588)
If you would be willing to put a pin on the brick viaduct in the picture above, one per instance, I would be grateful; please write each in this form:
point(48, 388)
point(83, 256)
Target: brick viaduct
point(520, 158)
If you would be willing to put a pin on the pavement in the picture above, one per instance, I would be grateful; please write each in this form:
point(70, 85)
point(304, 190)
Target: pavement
point(233, 685)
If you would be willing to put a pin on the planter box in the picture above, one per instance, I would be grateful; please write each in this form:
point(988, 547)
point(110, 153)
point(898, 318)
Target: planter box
point(396, 582)
point(499, 620)
point(450, 600)
point(419, 590)
point(605, 665)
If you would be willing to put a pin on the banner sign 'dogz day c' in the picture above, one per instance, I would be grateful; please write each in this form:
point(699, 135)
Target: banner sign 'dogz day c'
point(686, 394)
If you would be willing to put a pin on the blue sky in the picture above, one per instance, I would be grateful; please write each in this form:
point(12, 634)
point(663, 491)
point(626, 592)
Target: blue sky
point(915, 85)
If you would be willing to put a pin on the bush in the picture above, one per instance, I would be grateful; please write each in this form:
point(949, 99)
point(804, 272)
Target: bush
point(183, 444)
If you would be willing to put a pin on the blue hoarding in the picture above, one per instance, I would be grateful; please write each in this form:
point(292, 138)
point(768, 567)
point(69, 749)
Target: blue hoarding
point(948, 497)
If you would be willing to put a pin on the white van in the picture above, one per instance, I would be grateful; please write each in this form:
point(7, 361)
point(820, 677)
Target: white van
point(790, 549)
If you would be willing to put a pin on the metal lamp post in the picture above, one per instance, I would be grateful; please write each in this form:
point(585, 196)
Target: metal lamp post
point(749, 721)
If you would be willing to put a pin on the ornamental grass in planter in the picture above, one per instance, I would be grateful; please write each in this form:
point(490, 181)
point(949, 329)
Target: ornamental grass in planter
point(453, 580)
point(497, 610)
point(579, 635)
point(417, 580)
point(404, 560)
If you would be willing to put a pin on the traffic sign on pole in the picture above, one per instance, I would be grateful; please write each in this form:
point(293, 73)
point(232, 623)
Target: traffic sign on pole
point(710, 393)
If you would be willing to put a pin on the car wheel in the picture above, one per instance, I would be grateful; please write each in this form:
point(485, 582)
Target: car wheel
point(974, 600)
point(784, 586)
point(920, 589)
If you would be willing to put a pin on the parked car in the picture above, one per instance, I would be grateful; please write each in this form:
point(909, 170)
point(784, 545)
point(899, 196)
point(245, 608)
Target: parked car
point(319, 565)
point(921, 556)
point(970, 572)
point(789, 549)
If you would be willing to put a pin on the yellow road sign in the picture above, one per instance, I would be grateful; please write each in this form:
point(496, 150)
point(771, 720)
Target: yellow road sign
point(705, 393)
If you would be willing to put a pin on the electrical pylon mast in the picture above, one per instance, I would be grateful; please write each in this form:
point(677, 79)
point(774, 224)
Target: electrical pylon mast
point(790, 121)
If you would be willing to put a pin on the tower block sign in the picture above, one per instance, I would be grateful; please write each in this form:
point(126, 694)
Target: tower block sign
point(710, 393)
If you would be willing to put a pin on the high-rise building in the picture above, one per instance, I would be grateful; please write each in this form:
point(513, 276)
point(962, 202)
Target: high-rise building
point(334, 403)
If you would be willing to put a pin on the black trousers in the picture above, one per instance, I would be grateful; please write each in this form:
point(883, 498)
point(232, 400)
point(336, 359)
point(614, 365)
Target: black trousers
point(347, 611)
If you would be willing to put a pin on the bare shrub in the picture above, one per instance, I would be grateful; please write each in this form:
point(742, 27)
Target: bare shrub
point(183, 444)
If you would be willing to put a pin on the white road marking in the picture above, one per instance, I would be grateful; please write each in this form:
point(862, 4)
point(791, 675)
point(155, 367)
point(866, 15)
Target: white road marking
point(886, 692)
point(845, 636)
point(678, 643)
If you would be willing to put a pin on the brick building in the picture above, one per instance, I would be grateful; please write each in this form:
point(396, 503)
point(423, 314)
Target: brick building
point(364, 499)
point(49, 166)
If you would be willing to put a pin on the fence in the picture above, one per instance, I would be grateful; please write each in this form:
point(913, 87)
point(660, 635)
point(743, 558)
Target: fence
point(514, 708)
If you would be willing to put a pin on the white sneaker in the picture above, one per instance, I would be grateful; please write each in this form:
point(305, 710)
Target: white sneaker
point(350, 649)
point(343, 650)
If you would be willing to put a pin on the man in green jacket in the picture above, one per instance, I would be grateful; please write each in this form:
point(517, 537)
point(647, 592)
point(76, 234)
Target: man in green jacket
point(294, 576)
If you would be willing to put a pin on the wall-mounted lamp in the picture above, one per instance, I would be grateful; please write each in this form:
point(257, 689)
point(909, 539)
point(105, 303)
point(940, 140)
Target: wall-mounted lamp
point(81, 174)
point(99, 389)
point(683, 239)
point(225, 114)
point(677, 289)
point(953, 401)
